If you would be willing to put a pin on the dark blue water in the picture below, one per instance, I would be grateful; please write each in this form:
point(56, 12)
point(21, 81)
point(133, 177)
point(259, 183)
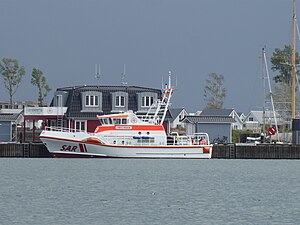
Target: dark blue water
point(124, 191)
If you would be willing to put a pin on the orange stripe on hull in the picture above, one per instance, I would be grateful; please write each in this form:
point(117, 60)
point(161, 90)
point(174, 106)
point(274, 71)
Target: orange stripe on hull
point(92, 140)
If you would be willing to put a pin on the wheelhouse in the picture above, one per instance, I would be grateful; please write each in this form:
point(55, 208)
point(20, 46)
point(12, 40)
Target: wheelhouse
point(119, 119)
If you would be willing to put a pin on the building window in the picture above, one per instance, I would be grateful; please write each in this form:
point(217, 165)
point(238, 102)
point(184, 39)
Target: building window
point(147, 101)
point(182, 115)
point(80, 125)
point(251, 119)
point(92, 100)
point(120, 101)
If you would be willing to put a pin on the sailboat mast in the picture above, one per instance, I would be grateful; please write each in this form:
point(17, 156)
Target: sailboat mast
point(264, 92)
point(294, 63)
point(270, 89)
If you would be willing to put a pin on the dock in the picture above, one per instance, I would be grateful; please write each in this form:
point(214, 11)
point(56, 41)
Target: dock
point(228, 151)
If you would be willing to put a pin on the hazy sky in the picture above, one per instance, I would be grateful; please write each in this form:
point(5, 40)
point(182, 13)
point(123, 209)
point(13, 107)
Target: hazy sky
point(192, 38)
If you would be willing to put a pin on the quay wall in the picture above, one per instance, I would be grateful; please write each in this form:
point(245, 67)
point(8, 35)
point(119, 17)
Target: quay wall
point(30, 150)
point(261, 151)
point(229, 151)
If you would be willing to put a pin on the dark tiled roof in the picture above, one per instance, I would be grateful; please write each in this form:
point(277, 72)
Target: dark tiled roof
point(107, 88)
point(74, 99)
point(208, 119)
point(240, 113)
point(9, 116)
point(216, 112)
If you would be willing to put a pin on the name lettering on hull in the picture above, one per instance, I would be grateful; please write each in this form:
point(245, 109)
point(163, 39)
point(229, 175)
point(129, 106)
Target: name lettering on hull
point(73, 148)
point(68, 148)
point(123, 127)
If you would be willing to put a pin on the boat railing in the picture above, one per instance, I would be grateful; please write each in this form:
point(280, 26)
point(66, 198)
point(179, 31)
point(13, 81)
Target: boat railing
point(64, 129)
point(181, 140)
point(186, 140)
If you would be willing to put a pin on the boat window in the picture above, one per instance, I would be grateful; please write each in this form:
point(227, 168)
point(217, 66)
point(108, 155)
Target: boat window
point(117, 121)
point(106, 121)
point(110, 121)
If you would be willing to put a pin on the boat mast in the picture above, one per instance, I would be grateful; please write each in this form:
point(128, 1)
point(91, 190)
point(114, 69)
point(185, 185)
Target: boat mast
point(294, 63)
point(163, 104)
point(270, 90)
point(264, 93)
point(167, 97)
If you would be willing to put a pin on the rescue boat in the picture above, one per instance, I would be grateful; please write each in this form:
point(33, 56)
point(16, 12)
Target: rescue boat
point(125, 135)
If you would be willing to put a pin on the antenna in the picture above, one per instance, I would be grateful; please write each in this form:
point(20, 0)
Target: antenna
point(169, 85)
point(123, 76)
point(98, 73)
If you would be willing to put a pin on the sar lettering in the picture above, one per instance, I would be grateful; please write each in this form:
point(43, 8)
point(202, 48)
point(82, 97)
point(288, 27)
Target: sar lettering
point(68, 148)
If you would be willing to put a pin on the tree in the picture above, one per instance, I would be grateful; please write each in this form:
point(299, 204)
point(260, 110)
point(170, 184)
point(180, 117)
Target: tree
point(214, 91)
point(281, 62)
point(39, 80)
point(12, 75)
point(282, 95)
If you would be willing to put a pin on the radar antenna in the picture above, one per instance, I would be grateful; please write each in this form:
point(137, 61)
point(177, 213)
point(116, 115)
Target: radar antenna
point(98, 73)
point(123, 77)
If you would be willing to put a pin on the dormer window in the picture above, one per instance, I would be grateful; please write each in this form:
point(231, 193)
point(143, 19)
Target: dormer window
point(92, 100)
point(147, 101)
point(120, 101)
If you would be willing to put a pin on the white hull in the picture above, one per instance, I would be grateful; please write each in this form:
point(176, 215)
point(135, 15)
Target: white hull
point(64, 144)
